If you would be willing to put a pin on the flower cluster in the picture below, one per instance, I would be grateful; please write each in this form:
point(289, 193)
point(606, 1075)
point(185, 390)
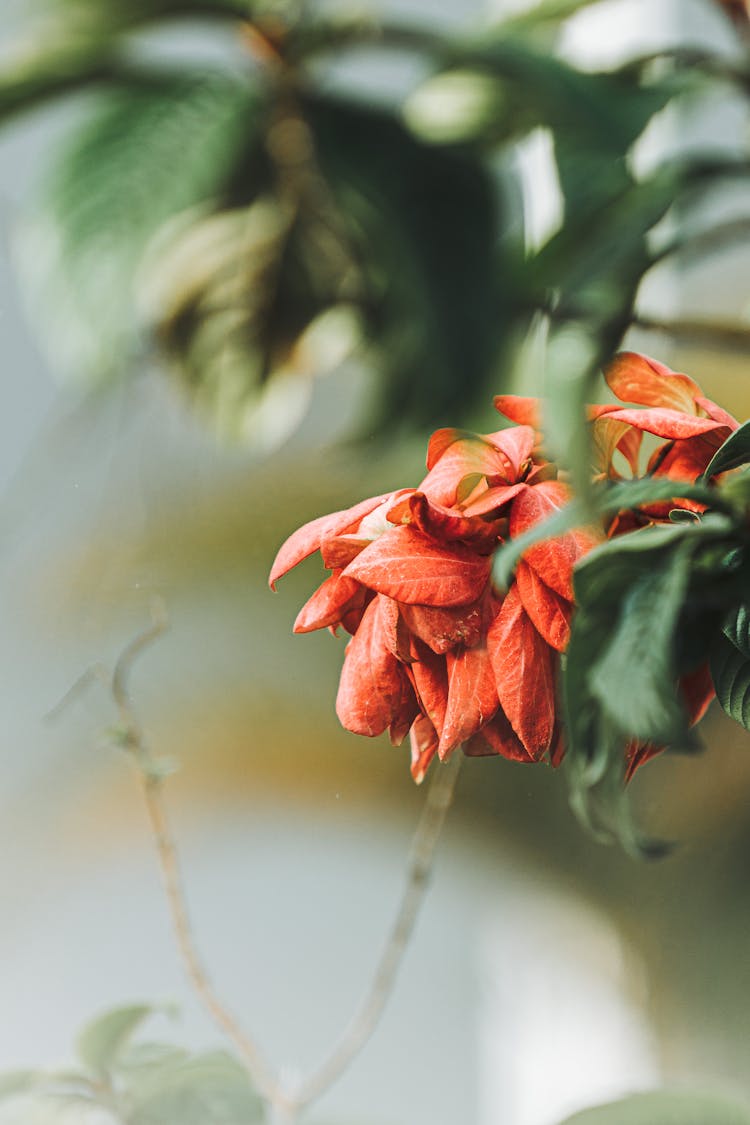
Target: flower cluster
point(436, 651)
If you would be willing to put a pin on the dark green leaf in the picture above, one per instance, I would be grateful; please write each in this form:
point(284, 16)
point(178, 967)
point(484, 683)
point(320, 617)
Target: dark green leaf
point(730, 667)
point(663, 1108)
point(426, 223)
point(634, 677)
point(734, 452)
point(101, 1042)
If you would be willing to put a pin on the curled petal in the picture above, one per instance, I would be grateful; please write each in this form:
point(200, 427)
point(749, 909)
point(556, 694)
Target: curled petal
point(411, 567)
point(395, 629)
point(552, 559)
point(373, 689)
point(472, 696)
point(339, 550)
point(424, 744)
point(524, 673)
point(667, 423)
point(497, 737)
point(688, 459)
point(461, 459)
point(609, 434)
point(429, 678)
point(697, 689)
point(491, 501)
point(442, 440)
point(519, 409)
point(637, 378)
point(306, 540)
point(517, 443)
point(549, 612)
point(444, 629)
point(330, 602)
point(713, 411)
point(440, 522)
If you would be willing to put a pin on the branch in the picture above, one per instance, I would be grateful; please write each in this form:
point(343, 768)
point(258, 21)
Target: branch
point(285, 1106)
point(423, 849)
point(716, 333)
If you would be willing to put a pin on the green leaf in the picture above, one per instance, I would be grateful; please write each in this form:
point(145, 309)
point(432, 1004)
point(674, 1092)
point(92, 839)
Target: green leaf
point(635, 674)
point(734, 452)
point(730, 666)
point(425, 222)
point(147, 155)
point(17, 1082)
point(101, 1042)
point(210, 1087)
point(663, 1108)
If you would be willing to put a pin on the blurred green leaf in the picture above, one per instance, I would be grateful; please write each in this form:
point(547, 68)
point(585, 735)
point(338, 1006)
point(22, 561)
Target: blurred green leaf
point(101, 1042)
point(146, 156)
point(17, 1082)
point(204, 1088)
point(426, 223)
point(663, 1108)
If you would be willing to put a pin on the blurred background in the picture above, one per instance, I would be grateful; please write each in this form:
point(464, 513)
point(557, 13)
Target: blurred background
point(547, 971)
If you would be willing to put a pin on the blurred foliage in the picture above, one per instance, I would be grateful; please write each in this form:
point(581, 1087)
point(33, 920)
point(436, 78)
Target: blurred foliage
point(663, 1108)
point(121, 1079)
point(262, 228)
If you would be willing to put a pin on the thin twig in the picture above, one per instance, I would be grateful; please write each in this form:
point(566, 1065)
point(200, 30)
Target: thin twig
point(717, 333)
point(152, 785)
point(424, 846)
point(284, 1105)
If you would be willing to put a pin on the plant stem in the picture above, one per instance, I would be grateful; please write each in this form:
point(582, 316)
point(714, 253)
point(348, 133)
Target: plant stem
point(152, 786)
point(284, 1105)
point(424, 847)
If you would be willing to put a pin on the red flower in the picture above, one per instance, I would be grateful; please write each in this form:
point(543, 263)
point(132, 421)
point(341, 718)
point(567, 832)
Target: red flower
point(435, 651)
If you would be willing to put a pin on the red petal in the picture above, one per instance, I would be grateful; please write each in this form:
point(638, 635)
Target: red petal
point(444, 629)
point(548, 611)
point(395, 630)
point(373, 689)
point(636, 378)
point(525, 411)
point(716, 412)
point(330, 602)
point(410, 567)
point(687, 459)
point(472, 696)
point(429, 677)
point(552, 559)
point(497, 737)
point(339, 550)
point(424, 744)
point(609, 434)
point(306, 540)
point(493, 499)
point(697, 691)
point(517, 443)
point(524, 672)
point(667, 423)
point(462, 458)
point(442, 440)
point(637, 754)
point(439, 521)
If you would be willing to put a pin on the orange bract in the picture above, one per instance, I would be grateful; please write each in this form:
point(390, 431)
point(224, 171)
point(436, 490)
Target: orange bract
point(436, 652)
